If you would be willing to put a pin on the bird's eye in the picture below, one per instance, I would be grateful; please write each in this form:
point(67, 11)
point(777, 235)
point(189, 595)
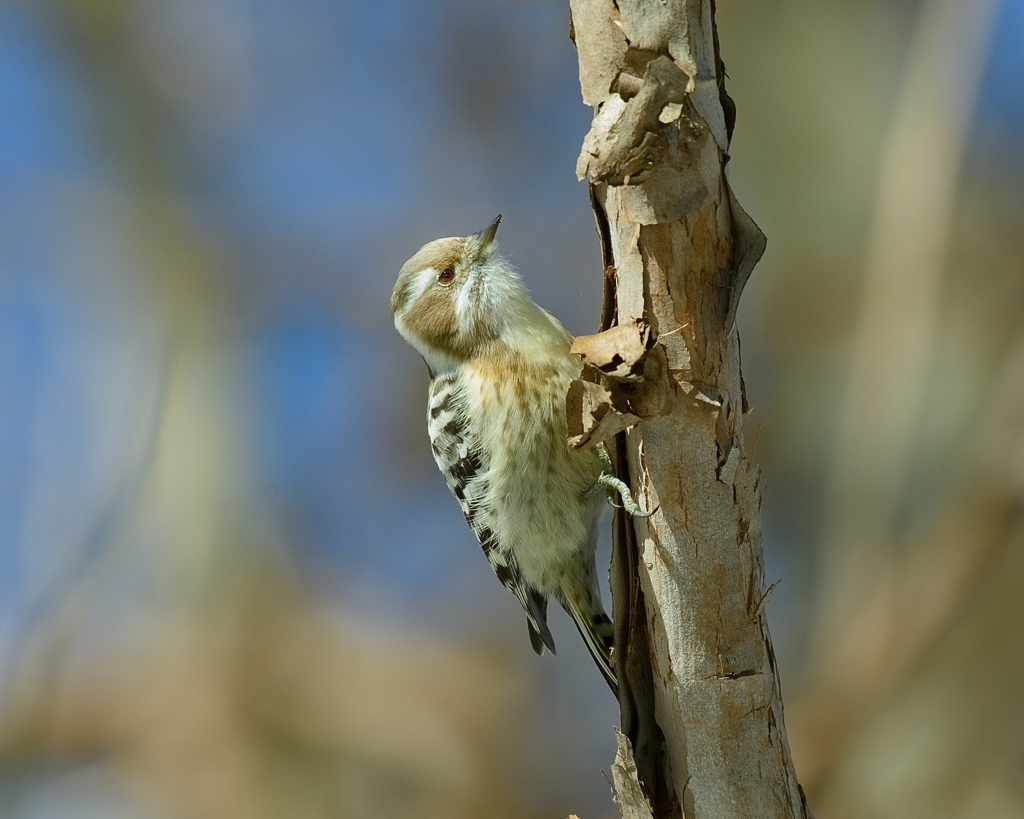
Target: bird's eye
point(446, 276)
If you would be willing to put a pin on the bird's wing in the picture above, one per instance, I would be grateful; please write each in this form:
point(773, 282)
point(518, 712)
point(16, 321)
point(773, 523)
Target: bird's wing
point(465, 469)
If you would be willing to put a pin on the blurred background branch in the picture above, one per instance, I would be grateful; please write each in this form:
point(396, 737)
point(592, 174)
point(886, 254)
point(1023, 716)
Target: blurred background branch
point(874, 616)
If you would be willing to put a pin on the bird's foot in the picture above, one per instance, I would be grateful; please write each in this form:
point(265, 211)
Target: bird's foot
point(614, 486)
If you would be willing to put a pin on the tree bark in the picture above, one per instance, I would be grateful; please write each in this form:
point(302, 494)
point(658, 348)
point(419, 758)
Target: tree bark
point(700, 702)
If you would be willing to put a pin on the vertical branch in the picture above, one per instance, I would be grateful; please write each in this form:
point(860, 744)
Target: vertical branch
point(700, 697)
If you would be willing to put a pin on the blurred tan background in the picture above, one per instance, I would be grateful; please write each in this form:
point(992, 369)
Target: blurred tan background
point(232, 583)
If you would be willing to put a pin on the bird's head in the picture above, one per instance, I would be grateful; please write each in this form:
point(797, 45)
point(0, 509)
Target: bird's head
point(455, 296)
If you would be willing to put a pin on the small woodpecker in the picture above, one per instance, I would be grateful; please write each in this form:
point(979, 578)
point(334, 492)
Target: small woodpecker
point(500, 368)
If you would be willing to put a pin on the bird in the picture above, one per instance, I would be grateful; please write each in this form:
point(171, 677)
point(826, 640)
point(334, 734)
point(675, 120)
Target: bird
point(500, 367)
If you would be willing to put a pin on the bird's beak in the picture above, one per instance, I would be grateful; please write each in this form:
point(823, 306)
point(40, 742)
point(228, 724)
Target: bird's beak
point(486, 236)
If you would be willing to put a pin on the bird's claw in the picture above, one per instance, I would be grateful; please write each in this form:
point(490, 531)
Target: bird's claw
point(613, 484)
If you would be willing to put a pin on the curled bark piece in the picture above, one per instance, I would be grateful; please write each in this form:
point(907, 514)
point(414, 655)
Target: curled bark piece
point(651, 394)
point(628, 136)
point(592, 416)
point(748, 246)
point(626, 379)
point(617, 352)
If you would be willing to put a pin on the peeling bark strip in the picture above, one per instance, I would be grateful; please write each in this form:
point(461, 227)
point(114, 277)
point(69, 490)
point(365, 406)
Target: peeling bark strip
point(700, 701)
point(628, 792)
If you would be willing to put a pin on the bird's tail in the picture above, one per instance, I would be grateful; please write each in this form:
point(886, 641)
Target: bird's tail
point(595, 626)
point(537, 621)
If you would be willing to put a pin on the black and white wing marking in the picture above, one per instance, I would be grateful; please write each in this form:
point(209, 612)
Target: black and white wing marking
point(465, 469)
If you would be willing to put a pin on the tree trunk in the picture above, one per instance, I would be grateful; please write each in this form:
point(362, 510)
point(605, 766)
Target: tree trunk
point(701, 708)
